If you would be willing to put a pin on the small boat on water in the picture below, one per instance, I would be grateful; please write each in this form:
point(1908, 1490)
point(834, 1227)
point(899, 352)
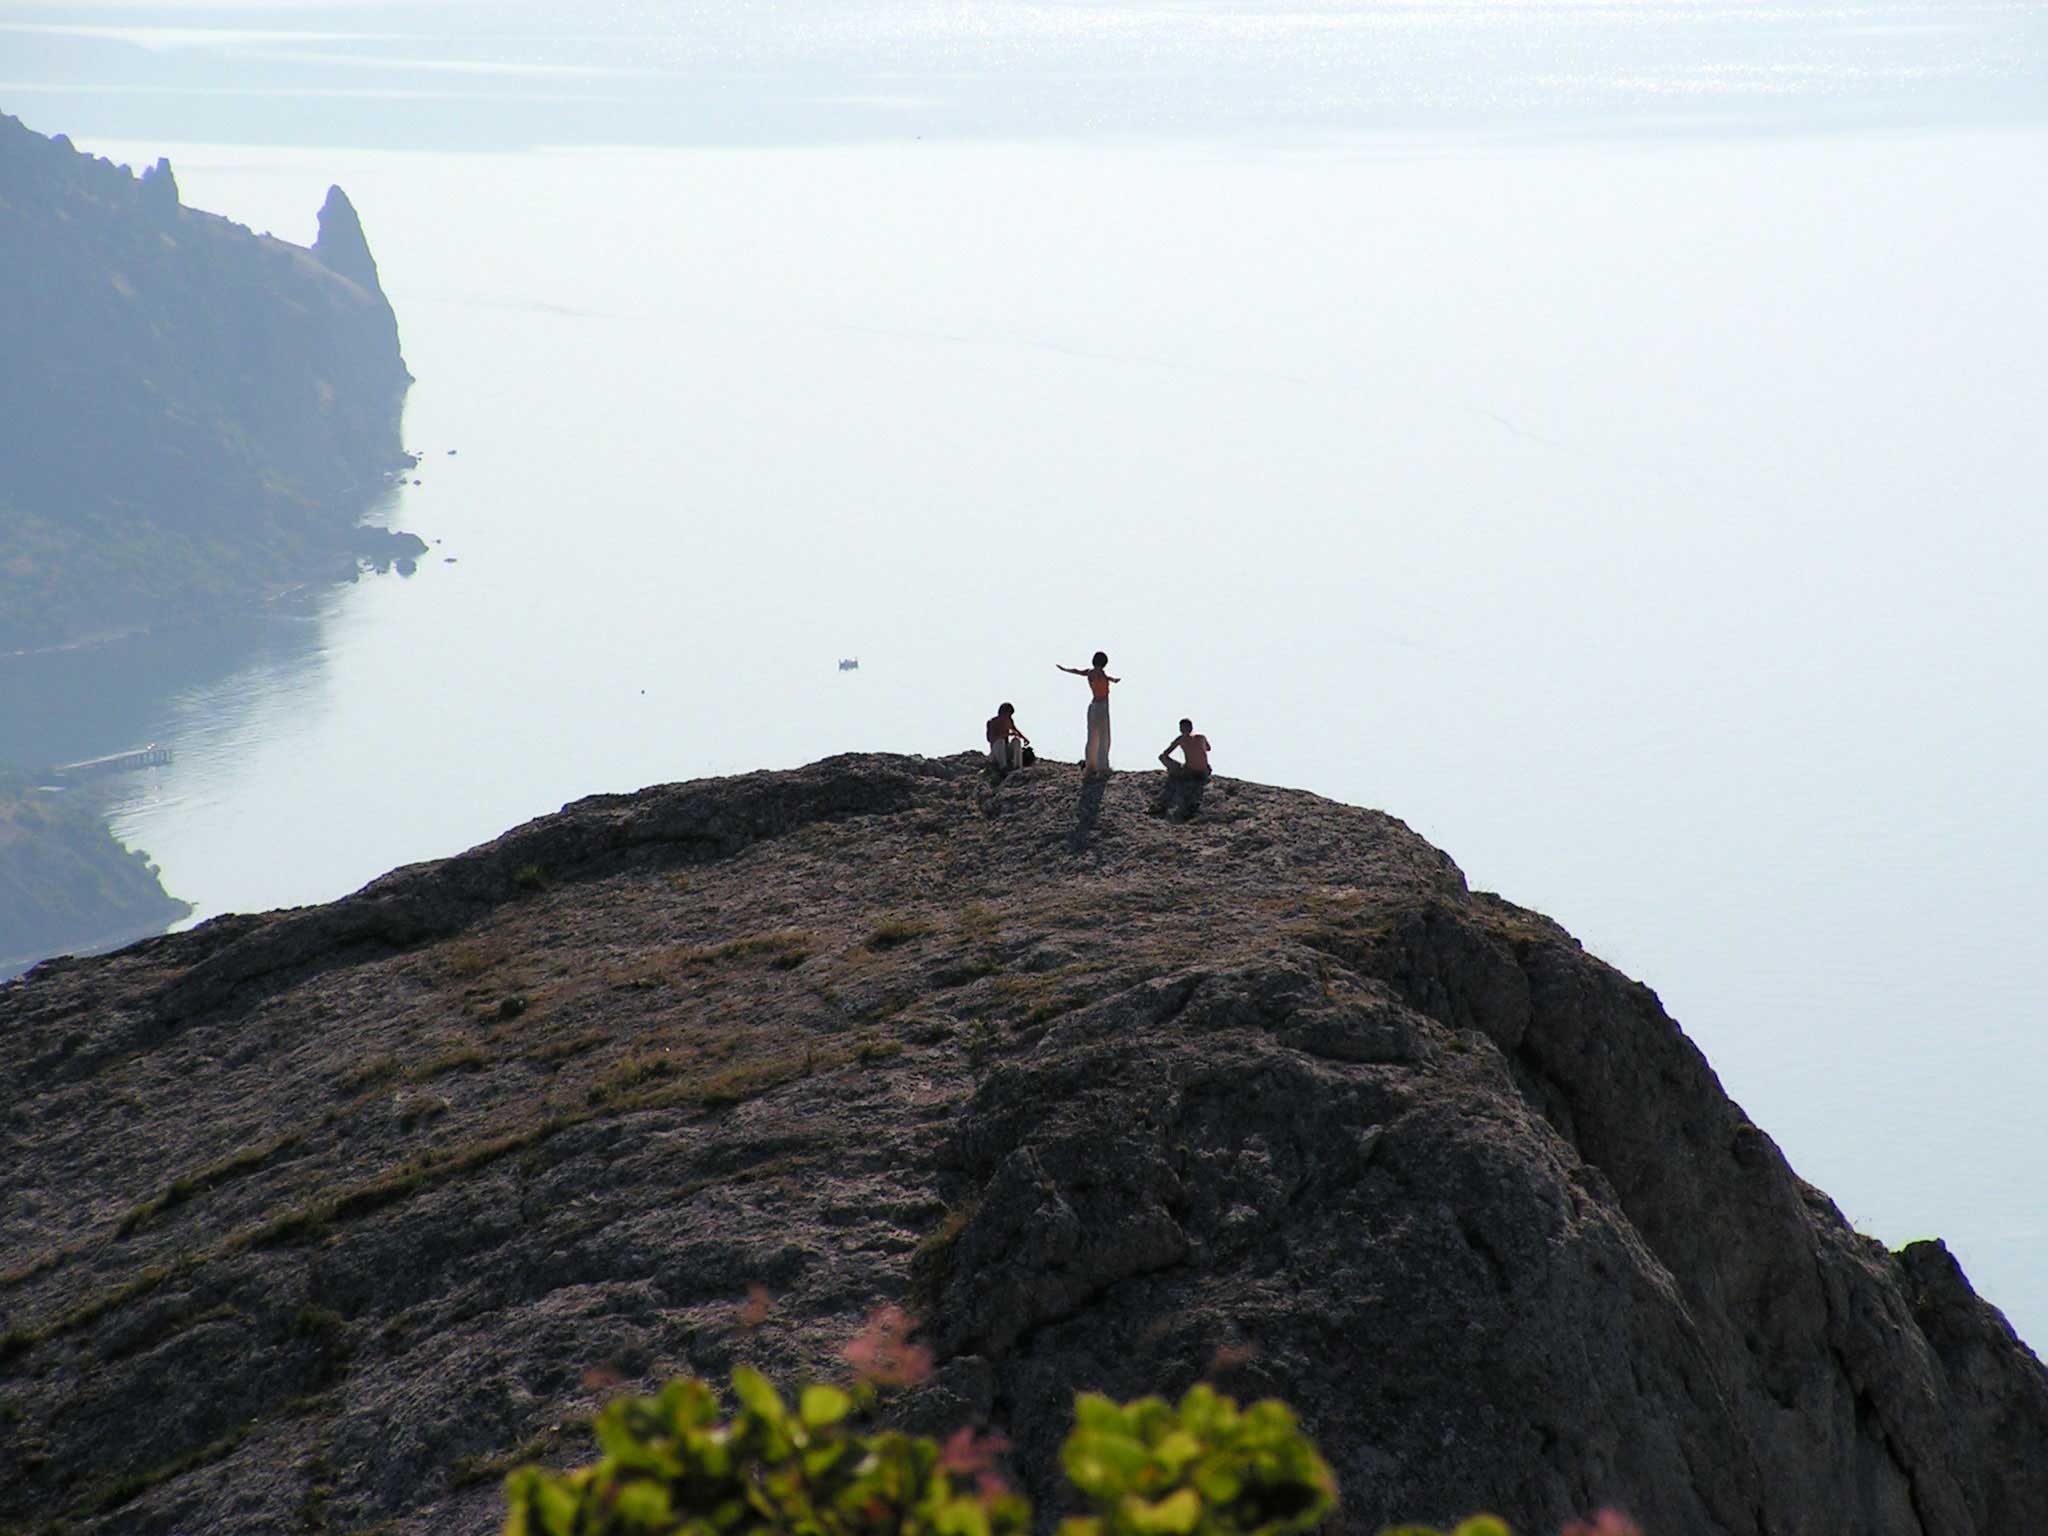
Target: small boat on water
point(849, 663)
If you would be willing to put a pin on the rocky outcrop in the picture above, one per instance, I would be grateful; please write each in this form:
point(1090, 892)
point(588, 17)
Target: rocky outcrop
point(193, 412)
point(341, 247)
point(320, 1219)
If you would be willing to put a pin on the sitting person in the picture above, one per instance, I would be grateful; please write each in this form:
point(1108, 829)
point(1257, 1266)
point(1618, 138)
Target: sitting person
point(1181, 795)
point(1194, 751)
point(1002, 730)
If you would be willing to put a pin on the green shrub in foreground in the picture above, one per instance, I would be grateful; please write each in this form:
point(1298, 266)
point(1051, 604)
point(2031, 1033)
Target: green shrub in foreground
point(670, 1465)
point(1206, 1468)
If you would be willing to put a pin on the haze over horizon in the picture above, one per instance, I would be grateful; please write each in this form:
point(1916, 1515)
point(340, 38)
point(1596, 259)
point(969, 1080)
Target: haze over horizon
point(461, 74)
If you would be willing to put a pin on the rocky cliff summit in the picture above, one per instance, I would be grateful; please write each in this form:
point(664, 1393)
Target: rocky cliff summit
point(190, 413)
point(319, 1220)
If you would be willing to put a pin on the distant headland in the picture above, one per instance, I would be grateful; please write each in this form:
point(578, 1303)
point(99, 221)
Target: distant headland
point(194, 416)
point(193, 419)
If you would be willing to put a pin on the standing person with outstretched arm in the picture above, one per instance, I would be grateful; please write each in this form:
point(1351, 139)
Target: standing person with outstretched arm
point(1096, 761)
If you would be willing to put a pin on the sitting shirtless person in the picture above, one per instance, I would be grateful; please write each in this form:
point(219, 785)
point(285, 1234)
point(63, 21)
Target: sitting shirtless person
point(1194, 751)
point(1002, 730)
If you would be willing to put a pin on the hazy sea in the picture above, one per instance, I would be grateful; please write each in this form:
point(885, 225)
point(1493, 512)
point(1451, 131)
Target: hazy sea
point(1605, 435)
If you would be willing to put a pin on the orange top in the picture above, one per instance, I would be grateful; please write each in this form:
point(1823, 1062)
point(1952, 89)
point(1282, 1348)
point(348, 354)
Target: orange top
point(1098, 683)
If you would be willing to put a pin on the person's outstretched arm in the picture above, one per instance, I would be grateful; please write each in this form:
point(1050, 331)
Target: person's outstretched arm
point(1077, 671)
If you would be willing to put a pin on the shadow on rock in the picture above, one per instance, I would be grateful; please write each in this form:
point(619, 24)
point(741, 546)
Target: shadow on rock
point(1179, 797)
point(1087, 811)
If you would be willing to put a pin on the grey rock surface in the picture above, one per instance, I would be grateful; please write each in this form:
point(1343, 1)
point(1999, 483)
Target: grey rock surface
point(320, 1220)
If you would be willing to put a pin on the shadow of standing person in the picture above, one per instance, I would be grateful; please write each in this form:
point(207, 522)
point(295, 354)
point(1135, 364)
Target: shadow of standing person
point(1087, 811)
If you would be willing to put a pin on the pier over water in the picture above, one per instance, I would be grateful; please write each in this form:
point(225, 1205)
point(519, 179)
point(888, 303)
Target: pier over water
point(151, 756)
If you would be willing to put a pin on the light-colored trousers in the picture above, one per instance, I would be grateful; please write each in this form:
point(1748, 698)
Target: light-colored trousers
point(1097, 759)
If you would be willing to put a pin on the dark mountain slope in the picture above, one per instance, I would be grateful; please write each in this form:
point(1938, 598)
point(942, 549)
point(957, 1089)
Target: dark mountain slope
point(189, 413)
point(318, 1219)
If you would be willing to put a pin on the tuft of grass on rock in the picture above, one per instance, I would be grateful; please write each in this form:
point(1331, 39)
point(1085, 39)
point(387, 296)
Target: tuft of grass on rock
point(323, 1325)
point(126, 1489)
point(982, 1039)
point(375, 1071)
point(628, 1074)
point(749, 1080)
point(552, 1053)
point(1053, 1008)
point(892, 931)
point(931, 1261)
point(467, 1471)
point(463, 1058)
point(782, 950)
point(41, 1264)
point(188, 1185)
point(468, 961)
point(416, 1110)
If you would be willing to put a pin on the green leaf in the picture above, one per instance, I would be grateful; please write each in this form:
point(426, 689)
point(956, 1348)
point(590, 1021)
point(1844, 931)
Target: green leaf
point(1175, 1515)
point(1483, 1525)
point(643, 1505)
point(961, 1517)
point(1103, 1465)
point(1150, 1419)
point(556, 1500)
point(757, 1397)
point(1097, 1414)
point(1217, 1483)
point(1204, 1411)
point(686, 1404)
point(822, 1406)
point(618, 1435)
point(1177, 1450)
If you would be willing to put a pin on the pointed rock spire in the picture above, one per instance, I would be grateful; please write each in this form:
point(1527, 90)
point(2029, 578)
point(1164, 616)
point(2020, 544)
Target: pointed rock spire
point(341, 247)
point(159, 186)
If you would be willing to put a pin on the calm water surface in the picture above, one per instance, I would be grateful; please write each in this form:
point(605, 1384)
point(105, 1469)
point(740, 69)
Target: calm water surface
point(1650, 517)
